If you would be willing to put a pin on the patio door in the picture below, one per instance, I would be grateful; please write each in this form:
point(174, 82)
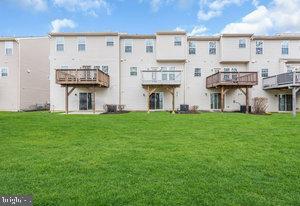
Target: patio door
point(156, 100)
point(215, 101)
point(285, 102)
point(85, 101)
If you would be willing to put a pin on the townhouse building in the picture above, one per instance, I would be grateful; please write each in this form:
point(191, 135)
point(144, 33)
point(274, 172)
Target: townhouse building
point(167, 69)
point(24, 73)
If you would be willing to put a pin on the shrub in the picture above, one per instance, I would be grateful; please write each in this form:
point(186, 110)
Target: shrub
point(260, 105)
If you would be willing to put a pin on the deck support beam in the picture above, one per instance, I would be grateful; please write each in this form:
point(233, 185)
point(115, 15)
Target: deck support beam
point(223, 92)
point(247, 100)
point(294, 92)
point(66, 100)
point(94, 99)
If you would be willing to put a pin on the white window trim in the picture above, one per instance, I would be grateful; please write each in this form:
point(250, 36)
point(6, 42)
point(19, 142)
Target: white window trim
point(8, 47)
point(60, 42)
point(177, 39)
point(130, 70)
point(81, 40)
point(110, 39)
point(128, 42)
point(1, 68)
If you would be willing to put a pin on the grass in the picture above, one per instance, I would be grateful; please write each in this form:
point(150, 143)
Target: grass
point(156, 159)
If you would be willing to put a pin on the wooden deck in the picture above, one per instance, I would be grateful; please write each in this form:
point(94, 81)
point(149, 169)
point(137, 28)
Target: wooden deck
point(161, 77)
point(282, 81)
point(232, 79)
point(93, 77)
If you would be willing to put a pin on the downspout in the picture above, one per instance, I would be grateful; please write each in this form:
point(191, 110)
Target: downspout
point(19, 86)
point(120, 81)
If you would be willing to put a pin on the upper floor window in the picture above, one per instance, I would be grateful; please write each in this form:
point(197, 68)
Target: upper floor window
point(110, 41)
point(242, 43)
point(128, 46)
point(9, 48)
point(285, 47)
point(133, 71)
point(149, 46)
point(60, 44)
point(197, 72)
point(259, 47)
point(212, 47)
point(105, 69)
point(4, 72)
point(177, 41)
point(192, 47)
point(264, 73)
point(81, 43)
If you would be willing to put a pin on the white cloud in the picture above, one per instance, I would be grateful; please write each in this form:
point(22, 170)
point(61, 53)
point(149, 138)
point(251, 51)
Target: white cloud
point(281, 16)
point(88, 6)
point(198, 30)
point(59, 24)
point(39, 5)
point(179, 29)
point(156, 4)
point(210, 9)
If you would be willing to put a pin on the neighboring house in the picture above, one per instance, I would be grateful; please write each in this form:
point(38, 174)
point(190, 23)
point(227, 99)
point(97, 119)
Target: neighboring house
point(162, 71)
point(24, 73)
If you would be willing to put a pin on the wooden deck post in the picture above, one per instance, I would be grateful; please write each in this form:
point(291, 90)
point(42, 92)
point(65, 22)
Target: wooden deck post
point(148, 99)
point(247, 100)
point(67, 99)
point(294, 92)
point(94, 100)
point(222, 99)
point(173, 100)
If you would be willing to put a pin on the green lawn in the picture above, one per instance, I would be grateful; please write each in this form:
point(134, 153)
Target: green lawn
point(156, 159)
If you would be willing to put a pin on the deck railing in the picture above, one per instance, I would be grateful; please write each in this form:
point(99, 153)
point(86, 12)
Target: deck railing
point(282, 80)
point(231, 79)
point(82, 76)
point(161, 77)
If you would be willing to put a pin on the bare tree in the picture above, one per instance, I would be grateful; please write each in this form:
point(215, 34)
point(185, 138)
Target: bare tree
point(260, 105)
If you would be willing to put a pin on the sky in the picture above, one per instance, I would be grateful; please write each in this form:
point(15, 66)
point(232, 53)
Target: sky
point(196, 17)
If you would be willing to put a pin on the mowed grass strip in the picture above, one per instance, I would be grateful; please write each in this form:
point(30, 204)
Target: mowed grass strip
point(151, 159)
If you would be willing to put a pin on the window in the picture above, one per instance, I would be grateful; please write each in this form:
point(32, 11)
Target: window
point(4, 72)
point(172, 74)
point(227, 74)
point(81, 44)
point(259, 47)
point(264, 73)
point(110, 41)
point(192, 47)
point(60, 44)
point(197, 72)
point(177, 41)
point(133, 71)
point(105, 69)
point(215, 101)
point(9, 48)
point(164, 75)
point(285, 47)
point(242, 43)
point(285, 102)
point(212, 47)
point(128, 46)
point(149, 46)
